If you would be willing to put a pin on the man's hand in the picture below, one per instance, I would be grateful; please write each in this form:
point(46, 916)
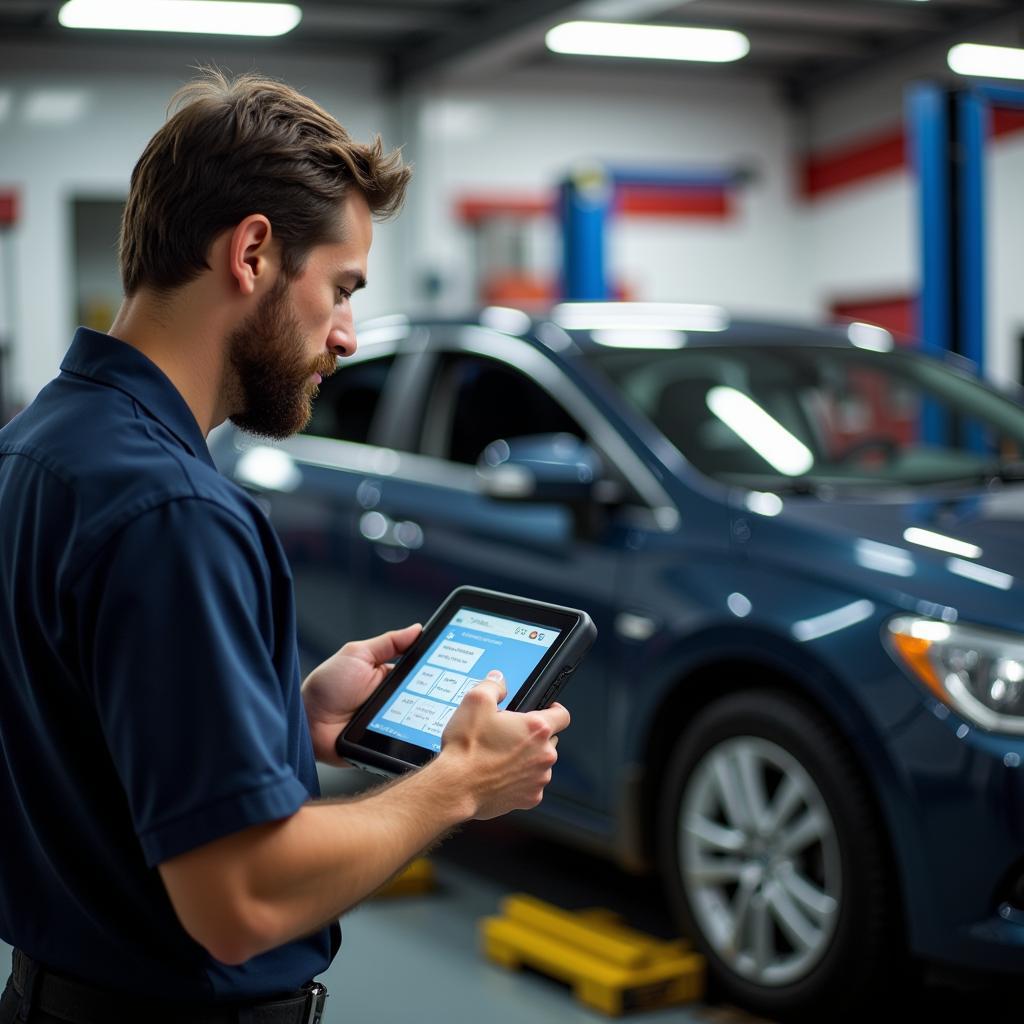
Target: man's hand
point(505, 757)
point(336, 689)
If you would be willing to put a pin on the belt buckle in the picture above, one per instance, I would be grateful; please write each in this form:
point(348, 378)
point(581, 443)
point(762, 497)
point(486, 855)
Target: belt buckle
point(317, 996)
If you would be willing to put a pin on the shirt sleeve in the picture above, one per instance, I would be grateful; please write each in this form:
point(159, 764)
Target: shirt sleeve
point(180, 662)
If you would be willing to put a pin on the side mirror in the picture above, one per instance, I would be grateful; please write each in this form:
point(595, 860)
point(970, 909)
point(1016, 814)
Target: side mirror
point(555, 468)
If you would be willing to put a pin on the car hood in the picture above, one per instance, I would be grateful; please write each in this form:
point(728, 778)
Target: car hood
point(893, 547)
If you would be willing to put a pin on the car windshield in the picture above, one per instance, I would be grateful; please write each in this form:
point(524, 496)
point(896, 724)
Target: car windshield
point(801, 416)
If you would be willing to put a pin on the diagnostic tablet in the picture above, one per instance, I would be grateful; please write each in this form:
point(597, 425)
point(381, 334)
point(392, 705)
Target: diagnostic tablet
point(535, 645)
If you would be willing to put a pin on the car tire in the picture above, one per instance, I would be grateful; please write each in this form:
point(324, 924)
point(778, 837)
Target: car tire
point(774, 862)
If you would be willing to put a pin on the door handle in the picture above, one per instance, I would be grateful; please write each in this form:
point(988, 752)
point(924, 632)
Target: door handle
point(381, 529)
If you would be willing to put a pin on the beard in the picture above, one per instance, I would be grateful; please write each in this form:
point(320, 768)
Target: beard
point(271, 390)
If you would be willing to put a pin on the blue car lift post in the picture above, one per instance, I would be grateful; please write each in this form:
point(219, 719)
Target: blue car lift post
point(948, 130)
point(586, 204)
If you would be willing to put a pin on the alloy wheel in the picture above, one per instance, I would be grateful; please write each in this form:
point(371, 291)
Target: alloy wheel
point(760, 861)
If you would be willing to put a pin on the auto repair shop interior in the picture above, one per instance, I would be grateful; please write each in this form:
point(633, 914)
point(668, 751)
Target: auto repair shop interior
point(703, 316)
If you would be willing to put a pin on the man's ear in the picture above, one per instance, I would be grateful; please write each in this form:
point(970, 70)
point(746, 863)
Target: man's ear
point(250, 252)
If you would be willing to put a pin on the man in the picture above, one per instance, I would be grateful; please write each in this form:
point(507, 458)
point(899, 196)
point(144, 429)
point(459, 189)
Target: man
point(163, 858)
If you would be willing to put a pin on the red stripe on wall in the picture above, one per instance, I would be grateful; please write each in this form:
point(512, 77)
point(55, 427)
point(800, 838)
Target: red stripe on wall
point(647, 201)
point(896, 313)
point(854, 163)
point(473, 209)
point(8, 208)
point(1006, 120)
point(880, 155)
point(630, 201)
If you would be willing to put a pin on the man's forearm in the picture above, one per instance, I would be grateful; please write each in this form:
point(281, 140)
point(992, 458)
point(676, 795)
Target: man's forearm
point(256, 889)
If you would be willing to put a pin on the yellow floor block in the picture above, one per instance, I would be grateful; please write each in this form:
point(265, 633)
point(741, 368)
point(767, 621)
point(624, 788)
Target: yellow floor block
point(417, 878)
point(610, 967)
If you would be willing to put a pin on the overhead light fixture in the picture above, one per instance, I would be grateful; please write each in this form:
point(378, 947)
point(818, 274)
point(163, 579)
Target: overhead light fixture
point(940, 542)
point(761, 431)
point(832, 622)
point(644, 338)
point(986, 61)
point(980, 573)
point(650, 42)
point(639, 316)
point(869, 336)
point(207, 17)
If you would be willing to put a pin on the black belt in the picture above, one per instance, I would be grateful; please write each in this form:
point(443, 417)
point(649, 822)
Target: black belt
point(83, 1004)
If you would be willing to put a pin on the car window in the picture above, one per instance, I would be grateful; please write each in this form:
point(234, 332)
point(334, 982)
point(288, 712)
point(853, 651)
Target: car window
point(348, 400)
point(841, 415)
point(475, 400)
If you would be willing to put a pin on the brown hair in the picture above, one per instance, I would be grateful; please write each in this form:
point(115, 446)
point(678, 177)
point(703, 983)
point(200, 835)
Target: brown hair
point(240, 146)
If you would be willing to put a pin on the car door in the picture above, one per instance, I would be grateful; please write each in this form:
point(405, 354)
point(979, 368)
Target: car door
point(432, 528)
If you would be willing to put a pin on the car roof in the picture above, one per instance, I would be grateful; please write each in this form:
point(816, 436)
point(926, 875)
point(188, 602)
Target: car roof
point(703, 326)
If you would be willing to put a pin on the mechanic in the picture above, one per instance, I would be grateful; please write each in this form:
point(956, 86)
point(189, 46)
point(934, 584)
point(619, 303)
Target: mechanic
point(165, 856)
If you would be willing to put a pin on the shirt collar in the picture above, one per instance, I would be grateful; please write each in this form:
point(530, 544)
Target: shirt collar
point(111, 362)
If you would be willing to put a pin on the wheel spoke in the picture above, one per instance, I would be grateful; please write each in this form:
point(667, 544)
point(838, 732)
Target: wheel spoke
point(731, 790)
point(808, 829)
point(729, 840)
point(761, 932)
point(714, 871)
point(809, 897)
point(741, 908)
point(786, 800)
point(752, 780)
point(801, 932)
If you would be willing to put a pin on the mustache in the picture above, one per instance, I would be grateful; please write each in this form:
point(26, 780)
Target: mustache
point(325, 365)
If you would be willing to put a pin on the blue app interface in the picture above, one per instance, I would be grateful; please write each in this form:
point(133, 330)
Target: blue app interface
point(470, 645)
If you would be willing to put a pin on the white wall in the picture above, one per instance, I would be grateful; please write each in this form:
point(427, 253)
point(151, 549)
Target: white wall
point(93, 155)
point(1005, 256)
point(524, 137)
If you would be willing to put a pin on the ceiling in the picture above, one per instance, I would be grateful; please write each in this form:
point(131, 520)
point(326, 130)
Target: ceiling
point(802, 44)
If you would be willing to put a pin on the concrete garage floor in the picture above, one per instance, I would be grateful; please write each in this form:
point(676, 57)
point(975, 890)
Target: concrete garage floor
point(417, 958)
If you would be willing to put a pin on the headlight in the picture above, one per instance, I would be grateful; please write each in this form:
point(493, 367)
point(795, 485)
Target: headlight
point(978, 672)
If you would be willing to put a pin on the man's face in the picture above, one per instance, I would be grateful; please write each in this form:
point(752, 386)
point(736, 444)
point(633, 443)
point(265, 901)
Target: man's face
point(280, 353)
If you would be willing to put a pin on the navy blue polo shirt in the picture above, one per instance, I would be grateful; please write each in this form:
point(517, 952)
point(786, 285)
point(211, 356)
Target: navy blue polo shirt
point(149, 680)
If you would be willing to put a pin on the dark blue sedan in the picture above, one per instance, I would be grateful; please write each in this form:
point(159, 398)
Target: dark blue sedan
point(803, 551)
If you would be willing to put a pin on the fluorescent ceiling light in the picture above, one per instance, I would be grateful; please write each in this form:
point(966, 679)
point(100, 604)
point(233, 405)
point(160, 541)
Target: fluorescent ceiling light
point(506, 320)
point(868, 336)
point(213, 17)
point(884, 558)
point(639, 316)
point(642, 338)
point(764, 503)
point(766, 435)
point(940, 542)
point(980, 573)
point(986, 61)
point(652, 42)
point(832, 622)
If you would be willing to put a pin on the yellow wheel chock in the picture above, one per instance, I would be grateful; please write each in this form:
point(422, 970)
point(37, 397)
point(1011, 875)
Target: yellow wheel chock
point(609, 966)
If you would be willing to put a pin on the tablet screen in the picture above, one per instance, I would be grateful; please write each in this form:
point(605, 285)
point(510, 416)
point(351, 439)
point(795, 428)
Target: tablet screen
point(467, 647)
